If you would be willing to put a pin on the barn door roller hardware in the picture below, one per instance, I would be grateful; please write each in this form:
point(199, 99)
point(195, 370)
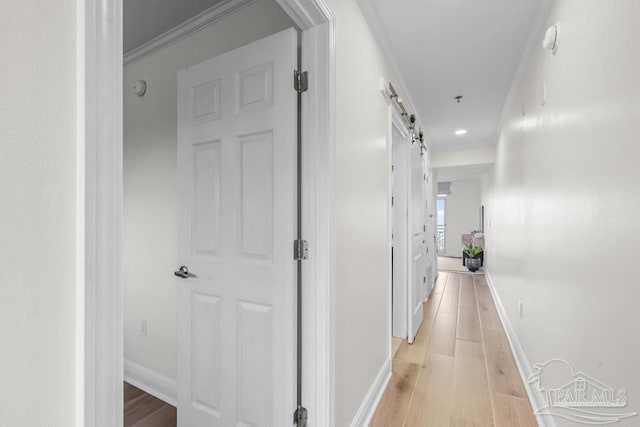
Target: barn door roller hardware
point(410, 119)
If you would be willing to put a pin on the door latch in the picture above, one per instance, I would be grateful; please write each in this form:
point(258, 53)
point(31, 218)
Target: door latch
point(183, 272)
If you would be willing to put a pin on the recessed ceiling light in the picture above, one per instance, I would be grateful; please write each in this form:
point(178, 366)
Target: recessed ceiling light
point(461, 131)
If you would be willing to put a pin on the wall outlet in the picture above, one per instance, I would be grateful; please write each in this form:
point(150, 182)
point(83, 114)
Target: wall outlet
point(143, 328)
point(520, 308)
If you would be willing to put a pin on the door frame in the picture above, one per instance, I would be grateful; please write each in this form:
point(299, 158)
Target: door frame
point(401, 164)
point(99, 325)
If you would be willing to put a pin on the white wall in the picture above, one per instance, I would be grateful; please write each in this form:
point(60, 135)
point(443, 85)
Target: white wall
point(150, 223)
point(462, 214)
point(563, 204)
point(37, 219)
point(363, 166)
point(482, 154)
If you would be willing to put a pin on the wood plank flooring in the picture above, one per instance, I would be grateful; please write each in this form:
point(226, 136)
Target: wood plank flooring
point(460, 370)
point(143, 410)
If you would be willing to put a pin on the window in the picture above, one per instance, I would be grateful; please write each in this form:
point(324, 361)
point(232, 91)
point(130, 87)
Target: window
point(440, 229)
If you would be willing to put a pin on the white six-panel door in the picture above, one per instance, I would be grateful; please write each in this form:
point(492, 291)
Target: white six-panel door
point(417, 210)
point(430, 215)
point(237, 223)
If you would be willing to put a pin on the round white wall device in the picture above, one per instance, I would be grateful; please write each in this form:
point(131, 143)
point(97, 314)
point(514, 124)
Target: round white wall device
point(550, 41)
point(140, 87)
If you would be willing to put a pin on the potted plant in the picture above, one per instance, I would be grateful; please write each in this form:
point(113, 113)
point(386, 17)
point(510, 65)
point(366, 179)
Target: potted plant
point(473, 255)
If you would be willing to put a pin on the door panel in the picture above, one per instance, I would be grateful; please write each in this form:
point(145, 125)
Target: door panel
point(237, 153)
point(255, 361)
point(206, 370)
point(205, 192)
point(256, 196)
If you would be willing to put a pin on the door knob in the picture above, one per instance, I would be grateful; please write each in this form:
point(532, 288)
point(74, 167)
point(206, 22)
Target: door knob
point(183, 272)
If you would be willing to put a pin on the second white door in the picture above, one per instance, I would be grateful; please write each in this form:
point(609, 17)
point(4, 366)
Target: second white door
point(417, 211)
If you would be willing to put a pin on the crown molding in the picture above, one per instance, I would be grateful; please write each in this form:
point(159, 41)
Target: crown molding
point(375, 24)
point(188, 27)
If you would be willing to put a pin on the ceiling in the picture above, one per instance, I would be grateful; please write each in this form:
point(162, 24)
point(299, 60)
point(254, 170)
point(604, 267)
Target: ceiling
point(144, 20)
point(445, 48)
point(442, 48)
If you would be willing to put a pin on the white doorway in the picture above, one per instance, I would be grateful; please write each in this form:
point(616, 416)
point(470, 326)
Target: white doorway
point(409, 261)
point(100, 349)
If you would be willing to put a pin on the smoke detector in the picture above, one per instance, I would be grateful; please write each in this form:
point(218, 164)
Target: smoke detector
point(140, 88)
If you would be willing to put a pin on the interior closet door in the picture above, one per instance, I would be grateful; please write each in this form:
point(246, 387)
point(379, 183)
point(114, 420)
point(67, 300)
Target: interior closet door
point(237, 162)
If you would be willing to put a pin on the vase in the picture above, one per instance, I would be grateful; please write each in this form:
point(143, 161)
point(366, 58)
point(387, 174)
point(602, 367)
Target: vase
point(473, 264)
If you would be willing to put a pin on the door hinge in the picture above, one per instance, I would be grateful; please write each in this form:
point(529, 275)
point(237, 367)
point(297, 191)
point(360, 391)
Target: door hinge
point(300, 81)
point(300, 417)
point(300, 250)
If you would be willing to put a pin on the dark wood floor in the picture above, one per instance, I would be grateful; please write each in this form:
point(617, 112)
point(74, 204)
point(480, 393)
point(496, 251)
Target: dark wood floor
point(143, 410)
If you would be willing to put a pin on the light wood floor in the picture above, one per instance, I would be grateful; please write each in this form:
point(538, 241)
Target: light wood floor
point(451, 264)
point(460, 370)
point(143, 410)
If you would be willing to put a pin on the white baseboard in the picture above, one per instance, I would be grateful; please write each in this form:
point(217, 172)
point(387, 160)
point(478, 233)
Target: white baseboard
point(151, 382)
point(524, 367)
point(371, 400)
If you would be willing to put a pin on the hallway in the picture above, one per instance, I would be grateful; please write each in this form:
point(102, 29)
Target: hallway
point(460, 370)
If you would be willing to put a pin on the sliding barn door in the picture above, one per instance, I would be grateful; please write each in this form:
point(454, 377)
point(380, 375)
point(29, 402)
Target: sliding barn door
point(417, 208)
point(399, 233)
point(237, 223)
